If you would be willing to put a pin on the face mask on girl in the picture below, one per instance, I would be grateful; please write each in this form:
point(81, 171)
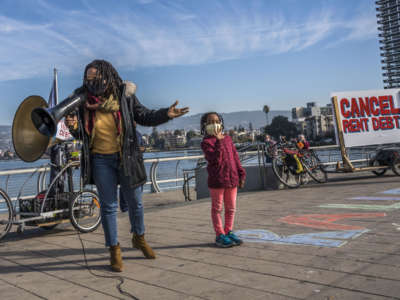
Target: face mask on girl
point(211, 129)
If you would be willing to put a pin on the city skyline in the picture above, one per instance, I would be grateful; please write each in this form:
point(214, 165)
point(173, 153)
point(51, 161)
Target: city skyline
point(215, 55)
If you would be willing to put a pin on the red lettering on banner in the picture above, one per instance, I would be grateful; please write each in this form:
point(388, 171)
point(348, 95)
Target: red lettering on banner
point(355, 125)
point(372, 102)
point(382, 123)
point(355, 111)
point(326, 221)
point(384, 105)
point(396, 119)
point(344, 102)
point(394, 110)
point(364, 106)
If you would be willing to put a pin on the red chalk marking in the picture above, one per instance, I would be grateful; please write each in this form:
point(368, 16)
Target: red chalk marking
point(326, 221)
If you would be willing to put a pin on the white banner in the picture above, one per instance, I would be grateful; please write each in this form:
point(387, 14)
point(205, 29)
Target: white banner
point(368, 117)
point(63, 132)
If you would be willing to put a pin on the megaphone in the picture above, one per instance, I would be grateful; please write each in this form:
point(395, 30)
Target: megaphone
point(46, 119)
point(34, 124)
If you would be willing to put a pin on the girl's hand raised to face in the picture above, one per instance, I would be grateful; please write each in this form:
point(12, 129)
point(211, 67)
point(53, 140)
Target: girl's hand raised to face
point(218, 133)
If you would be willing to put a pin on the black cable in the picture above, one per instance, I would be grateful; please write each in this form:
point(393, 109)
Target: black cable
point(120, 278)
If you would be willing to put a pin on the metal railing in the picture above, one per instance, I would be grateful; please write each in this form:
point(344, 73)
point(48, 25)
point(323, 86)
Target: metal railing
point(329, 154)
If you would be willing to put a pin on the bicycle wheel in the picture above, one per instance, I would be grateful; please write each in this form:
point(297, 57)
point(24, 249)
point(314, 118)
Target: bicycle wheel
point(85, 211)
point(283, 172)
point(396, 167)
point(378, 172)
point(6, 214)
point(314, 168)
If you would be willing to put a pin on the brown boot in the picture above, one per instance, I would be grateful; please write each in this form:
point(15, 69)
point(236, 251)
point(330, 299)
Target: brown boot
point(115, 258)
point(139, 242)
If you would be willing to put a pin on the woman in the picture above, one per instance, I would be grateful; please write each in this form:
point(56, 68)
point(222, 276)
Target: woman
point(110, 153)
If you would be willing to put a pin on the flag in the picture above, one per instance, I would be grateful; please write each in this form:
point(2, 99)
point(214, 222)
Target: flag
point(62, 130)
point(53, 97)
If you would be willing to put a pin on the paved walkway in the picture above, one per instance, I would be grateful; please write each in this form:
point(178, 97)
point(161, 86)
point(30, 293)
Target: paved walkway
point(315, 242)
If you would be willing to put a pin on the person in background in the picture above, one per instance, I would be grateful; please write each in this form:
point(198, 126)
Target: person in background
point(62, 135)
point(269, 148)
point(302, 143)
point(225, 175)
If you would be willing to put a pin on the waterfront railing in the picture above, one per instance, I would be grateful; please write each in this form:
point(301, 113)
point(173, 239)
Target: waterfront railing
point(166, 173)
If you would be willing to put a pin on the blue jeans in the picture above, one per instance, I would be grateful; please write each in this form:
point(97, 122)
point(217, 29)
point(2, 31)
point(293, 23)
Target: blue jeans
point(107, 172)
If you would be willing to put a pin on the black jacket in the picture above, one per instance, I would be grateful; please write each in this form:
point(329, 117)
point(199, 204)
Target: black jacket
point(132, 158)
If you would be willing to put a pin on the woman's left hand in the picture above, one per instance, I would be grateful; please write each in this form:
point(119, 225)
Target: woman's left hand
point(174, 112)
point(241, 183)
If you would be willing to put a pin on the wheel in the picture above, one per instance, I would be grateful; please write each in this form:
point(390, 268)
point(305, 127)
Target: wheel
point(6, 214)
point(284, 173)
point(396, 167)
point(378, 172)
point(314, 168)
point(85, 211)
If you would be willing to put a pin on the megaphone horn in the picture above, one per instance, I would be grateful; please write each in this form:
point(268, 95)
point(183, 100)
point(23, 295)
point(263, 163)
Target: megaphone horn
point(46, 119)
point(34, 124)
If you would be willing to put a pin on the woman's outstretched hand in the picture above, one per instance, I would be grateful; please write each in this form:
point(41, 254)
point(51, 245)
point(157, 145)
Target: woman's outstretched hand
point(174, 112)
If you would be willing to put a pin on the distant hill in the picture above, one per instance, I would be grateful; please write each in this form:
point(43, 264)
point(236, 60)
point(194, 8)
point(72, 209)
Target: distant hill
point(239, 118)
point(243, 118)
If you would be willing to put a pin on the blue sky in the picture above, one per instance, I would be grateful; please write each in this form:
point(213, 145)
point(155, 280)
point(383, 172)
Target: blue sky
point(223, 55)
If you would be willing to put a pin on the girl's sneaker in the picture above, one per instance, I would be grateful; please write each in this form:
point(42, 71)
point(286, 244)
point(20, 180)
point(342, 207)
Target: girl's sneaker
point(234, 238)
point(223, 241)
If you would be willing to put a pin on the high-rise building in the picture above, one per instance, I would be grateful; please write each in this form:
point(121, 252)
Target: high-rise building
point(389, 38)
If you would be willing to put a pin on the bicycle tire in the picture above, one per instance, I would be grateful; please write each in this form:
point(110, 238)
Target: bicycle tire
point(284, 174)
point(396, 166)
point(83, 210)
point(6, 222)
point(378, 172)
point(314, 168)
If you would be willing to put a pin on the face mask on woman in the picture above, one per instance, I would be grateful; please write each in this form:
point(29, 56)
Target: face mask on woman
point(211, 129)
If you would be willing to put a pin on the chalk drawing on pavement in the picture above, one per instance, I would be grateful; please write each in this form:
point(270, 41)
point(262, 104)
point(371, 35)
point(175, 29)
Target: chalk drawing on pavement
point(397, 225)
point(392, 192)
point(325, 221)
point(374, 198)
point(363, 206)
point(320, 239)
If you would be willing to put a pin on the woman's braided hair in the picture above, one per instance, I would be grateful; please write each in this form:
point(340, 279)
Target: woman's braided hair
point(203, 121)
point(109, 82)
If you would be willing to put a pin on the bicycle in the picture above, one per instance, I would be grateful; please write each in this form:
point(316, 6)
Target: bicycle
point(388, 158)
point(286, 158)
point(54, 205)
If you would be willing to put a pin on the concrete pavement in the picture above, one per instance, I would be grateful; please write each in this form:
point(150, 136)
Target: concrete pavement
point(300, 244)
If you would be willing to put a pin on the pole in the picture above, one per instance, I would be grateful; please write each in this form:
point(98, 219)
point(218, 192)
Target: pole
point(347, 165)
point(56, 86)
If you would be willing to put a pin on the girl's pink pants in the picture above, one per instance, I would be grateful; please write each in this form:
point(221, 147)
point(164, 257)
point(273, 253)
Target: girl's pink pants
point(221, 196)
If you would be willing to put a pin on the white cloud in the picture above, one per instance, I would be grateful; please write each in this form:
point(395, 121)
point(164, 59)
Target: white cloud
point(131, 37)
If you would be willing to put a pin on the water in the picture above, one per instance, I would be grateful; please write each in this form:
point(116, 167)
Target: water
point(165, 170)
point(27, 184)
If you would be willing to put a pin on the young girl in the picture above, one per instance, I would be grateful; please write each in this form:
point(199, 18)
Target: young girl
point(225, 175)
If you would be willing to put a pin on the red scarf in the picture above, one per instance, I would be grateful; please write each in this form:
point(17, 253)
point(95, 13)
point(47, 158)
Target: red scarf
point(91, 105)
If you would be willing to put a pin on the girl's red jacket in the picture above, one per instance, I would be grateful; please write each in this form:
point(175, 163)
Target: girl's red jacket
point(224, 167)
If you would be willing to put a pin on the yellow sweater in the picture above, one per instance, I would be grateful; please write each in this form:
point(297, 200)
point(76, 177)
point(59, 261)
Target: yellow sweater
point(104, 136)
